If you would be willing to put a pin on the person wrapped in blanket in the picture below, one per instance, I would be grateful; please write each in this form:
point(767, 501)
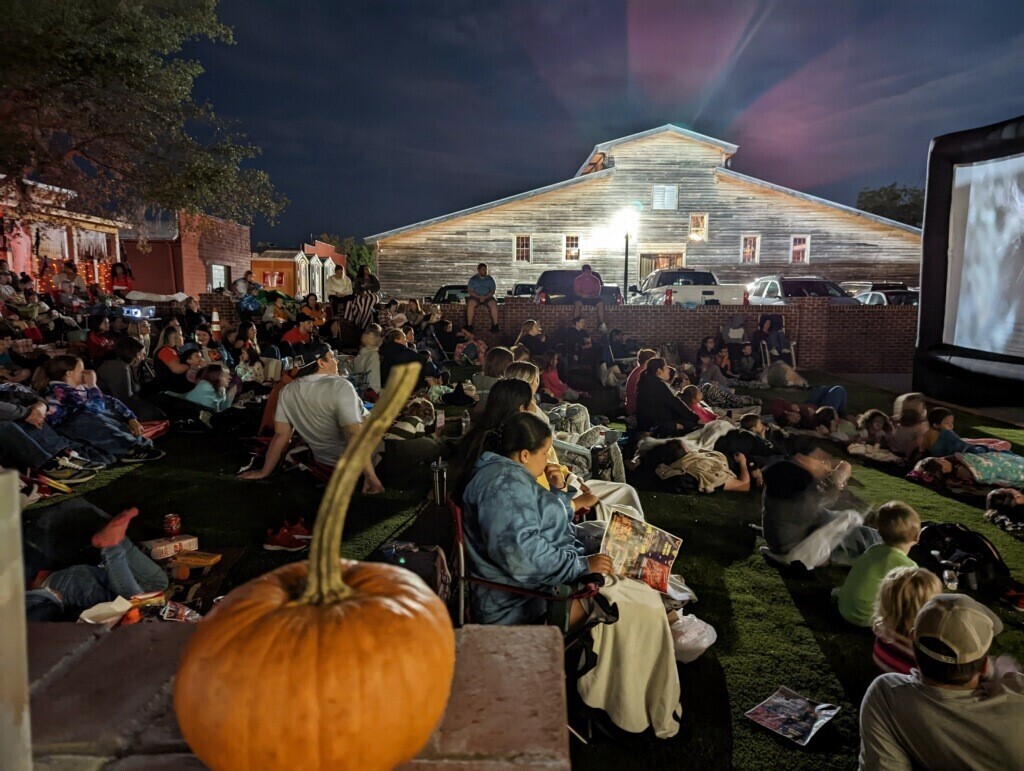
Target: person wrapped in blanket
point(519, 534)
point(997, 469)
point(78, 410)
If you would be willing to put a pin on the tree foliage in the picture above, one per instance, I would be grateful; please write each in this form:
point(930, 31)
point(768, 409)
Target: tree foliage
point(902, 203)
point(97, 97)
point(359, 254)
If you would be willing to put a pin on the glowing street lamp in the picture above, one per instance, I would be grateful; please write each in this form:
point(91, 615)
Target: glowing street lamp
point(626, 223)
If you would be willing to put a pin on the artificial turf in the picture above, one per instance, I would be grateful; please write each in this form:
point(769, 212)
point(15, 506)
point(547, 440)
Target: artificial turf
point(771, 631)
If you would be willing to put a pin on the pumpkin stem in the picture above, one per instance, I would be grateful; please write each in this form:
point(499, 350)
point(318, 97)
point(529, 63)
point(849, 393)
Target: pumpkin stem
point(325, 584)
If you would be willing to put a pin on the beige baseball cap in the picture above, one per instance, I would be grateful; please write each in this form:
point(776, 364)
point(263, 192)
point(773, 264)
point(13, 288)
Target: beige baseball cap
point(964, 625)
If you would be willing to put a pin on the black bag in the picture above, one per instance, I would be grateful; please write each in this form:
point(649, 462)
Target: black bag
point(949, 546)
point(428, 562)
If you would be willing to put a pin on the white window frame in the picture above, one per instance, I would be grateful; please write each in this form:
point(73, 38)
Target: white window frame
point(565, 248)
point(515, 247)
point(665, 189)
point(225, 272)
point(807, 249)
point(757, 248)
point(707, 221)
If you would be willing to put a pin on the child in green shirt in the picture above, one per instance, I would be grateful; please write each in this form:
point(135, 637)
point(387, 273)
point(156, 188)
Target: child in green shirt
point(900, 527)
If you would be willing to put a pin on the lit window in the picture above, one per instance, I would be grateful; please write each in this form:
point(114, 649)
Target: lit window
point(750, 249)
point(522, 248)
point(800, 249)
point(664, 197)
point(572, 247)
point(698, 227)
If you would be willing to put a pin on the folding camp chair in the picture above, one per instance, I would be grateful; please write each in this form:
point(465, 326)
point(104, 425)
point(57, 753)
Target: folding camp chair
point(559, 599)
point(778, 322)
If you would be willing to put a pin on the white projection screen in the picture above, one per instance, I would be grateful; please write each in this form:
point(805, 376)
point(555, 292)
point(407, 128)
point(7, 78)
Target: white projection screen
point(985, 270)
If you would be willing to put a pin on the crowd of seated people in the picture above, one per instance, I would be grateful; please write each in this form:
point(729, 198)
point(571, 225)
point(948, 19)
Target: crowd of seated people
point(529, 522)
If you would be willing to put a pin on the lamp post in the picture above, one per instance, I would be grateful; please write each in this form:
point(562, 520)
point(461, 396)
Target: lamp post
point(625, 223)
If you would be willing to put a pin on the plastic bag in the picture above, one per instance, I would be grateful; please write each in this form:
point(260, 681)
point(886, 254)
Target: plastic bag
point(692, 637)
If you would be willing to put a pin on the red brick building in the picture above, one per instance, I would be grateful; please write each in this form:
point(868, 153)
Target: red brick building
point(187, 254)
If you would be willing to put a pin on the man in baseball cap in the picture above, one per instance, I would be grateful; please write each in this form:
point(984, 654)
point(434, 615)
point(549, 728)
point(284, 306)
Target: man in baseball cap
point(958, 709)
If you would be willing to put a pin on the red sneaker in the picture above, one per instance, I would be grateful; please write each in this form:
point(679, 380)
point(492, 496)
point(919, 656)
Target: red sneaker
point(283, 540)
point(299, 530)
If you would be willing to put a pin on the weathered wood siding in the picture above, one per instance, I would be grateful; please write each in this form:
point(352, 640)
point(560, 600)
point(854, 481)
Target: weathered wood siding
point(842, 246)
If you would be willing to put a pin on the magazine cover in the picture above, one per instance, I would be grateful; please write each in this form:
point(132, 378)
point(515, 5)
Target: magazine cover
point(789, 714)
point(640, 550)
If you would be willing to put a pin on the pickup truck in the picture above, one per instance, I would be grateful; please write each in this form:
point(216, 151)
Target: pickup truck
point(688, 286)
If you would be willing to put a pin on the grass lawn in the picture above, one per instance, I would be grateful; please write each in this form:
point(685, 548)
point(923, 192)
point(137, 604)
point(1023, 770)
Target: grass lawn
point(771, 631)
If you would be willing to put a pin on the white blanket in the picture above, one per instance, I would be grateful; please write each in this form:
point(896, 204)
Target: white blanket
point(635, 679)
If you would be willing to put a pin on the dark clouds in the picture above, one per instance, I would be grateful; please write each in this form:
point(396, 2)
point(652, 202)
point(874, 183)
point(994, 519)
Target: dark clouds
point(373, 115)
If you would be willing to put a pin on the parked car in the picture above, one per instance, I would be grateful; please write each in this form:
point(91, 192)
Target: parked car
point(521, 290)
point(554, 287)
point(854, 288)
point(451, 293)
point(779, 290)
point(889, 297)
point(699, 287)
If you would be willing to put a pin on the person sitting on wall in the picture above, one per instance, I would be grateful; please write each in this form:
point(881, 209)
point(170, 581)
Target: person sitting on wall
point(481, 289)
point(326, 411)
point(586, 290)
point(338, 288)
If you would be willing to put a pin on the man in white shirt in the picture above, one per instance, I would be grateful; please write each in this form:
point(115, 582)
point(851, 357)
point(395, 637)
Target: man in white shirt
point(326, 411)
point(958, 709)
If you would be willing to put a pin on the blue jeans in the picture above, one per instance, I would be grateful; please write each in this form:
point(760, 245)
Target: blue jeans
point(855, 543)
point(829, 396)
point(18, 449)
point(104, 432)
point(778, 341)
point(125, 572)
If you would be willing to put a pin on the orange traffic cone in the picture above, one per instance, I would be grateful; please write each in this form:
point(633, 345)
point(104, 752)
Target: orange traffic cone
point(215, 326)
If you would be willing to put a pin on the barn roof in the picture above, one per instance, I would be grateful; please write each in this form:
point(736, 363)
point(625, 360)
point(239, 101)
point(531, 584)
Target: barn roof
point(735, 175)
point(486, 206)
point(669, 128)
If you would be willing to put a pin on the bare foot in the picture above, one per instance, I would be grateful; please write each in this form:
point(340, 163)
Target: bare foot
point(114, 531)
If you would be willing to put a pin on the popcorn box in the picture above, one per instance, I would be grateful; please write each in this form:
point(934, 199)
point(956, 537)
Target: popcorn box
point(161, 548)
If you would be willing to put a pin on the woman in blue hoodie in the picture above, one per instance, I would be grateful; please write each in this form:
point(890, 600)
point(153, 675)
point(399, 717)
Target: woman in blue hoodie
point(516, 532)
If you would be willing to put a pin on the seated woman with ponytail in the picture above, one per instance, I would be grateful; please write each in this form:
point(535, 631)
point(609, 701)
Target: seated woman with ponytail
point(79, 410)
point(519, 534)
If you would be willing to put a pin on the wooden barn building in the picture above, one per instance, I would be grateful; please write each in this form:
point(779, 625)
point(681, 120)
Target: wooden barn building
point(693, 211)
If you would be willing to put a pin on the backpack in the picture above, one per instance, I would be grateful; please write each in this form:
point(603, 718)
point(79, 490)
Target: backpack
point(952, 546)
point(428, 562)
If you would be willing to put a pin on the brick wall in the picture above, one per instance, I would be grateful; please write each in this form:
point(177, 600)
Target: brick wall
point(226, 243)
point(876, 338)
point(834, 338)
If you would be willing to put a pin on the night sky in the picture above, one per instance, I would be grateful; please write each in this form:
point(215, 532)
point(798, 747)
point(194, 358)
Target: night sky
point(374, 115)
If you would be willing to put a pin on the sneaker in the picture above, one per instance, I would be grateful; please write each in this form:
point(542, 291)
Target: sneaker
point(774, 351)
point(470, 328)
point(284, 540)
point(62, 470)
point(785, 350)
point(142, 455)
point(81, 462)
point(495, 328)
point(299, 530)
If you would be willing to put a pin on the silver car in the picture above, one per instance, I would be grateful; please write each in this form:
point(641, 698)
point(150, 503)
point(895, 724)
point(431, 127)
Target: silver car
point(779, 290)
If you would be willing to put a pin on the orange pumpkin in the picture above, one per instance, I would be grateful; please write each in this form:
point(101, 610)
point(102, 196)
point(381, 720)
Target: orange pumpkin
point(326, 664)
